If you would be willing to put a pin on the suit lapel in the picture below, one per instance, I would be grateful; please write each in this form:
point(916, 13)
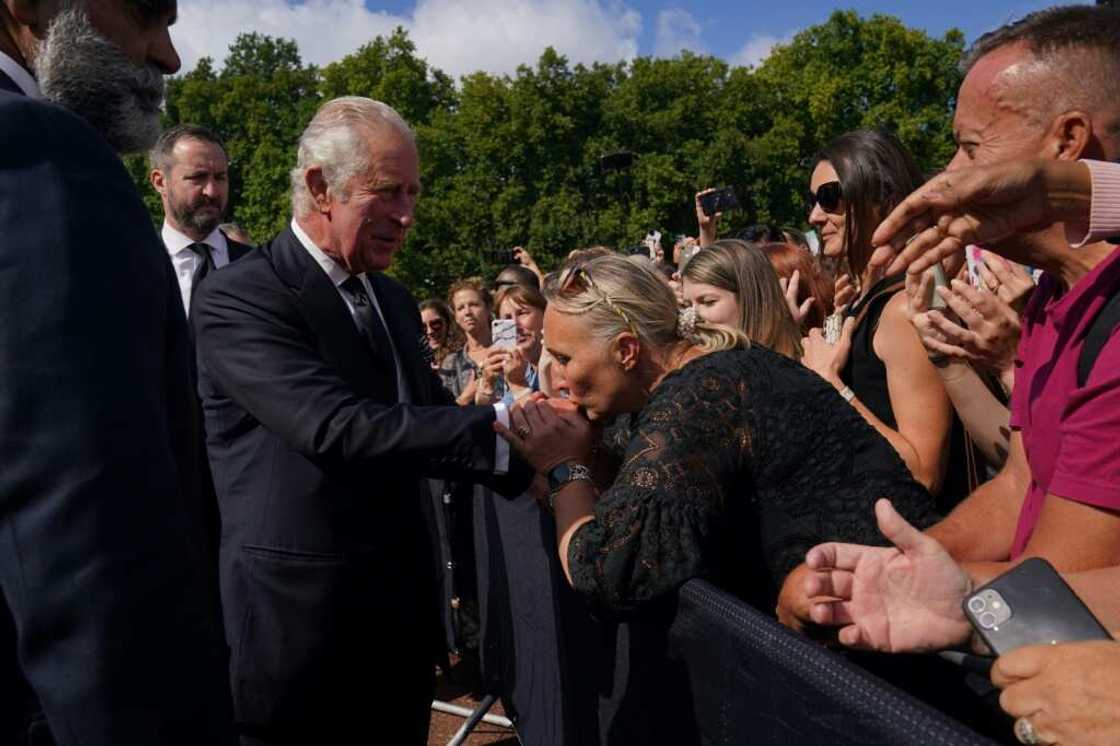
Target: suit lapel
point(236, 248)
point(7, 84)
point(329, 318)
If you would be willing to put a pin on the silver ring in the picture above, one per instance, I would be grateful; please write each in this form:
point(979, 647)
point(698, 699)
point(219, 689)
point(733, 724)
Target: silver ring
point(1025, 733)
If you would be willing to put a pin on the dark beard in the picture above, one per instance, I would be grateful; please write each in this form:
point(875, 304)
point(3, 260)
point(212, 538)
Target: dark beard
point(193, 219)
point(81, 70)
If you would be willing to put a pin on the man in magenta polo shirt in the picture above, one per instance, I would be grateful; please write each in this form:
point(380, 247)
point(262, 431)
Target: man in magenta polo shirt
point(1044, 88)
point(1071, 434)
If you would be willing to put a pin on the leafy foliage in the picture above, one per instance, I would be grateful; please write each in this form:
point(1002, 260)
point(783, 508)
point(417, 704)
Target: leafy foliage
point(516, 160)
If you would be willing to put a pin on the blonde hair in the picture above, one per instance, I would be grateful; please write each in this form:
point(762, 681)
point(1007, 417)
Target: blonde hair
point(744, 269)
point(615, 295)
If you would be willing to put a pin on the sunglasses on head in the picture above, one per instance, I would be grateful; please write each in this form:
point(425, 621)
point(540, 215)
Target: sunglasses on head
point(828, 196)
point(579, 275)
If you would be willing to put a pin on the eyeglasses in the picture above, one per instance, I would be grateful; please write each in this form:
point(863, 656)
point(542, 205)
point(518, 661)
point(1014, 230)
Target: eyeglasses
point(828, 196)
point(574, 275)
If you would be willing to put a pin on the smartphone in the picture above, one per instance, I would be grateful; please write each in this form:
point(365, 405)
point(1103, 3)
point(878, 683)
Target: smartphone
point(503, 333)
point(939, 281)
point(719, 200)
point(973, 258)
point(1030, 605)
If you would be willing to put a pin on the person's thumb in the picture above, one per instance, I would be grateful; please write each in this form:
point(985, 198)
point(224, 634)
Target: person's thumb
point(897, 530)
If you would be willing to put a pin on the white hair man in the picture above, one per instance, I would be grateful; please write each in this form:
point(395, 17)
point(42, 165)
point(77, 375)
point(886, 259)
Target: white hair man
point(322, 422)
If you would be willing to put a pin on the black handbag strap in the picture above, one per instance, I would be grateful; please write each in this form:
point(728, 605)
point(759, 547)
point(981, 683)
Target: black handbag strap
point(1099, 333)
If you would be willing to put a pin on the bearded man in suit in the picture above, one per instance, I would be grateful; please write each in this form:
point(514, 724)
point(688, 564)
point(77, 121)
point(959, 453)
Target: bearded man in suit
point(108, 631)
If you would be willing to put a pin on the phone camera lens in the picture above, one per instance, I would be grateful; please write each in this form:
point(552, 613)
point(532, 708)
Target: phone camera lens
point(976, 605)
point(988, 620)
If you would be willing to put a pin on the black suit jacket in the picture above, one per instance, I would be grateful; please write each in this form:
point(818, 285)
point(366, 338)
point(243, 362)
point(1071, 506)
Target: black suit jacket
point(326, 562)
point(98, 535)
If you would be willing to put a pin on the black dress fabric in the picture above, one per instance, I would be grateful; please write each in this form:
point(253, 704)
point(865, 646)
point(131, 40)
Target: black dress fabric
point(739, 463)
point(866, 375)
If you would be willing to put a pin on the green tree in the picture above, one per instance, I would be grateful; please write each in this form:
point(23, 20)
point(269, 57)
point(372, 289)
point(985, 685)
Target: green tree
point(509, 160)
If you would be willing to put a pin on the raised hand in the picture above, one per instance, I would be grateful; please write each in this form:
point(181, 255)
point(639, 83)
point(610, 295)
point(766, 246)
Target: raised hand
point(902, 598)
point(790, 288)
point(981, 205)
point(708, 224)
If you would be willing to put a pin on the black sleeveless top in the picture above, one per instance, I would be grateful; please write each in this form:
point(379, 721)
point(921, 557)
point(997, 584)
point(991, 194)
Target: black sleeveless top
point(865, 373)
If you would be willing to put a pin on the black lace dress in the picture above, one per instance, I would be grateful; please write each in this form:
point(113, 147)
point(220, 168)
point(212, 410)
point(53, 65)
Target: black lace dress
point(739, 463)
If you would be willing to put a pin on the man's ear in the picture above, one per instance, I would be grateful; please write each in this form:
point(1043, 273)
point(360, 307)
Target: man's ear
point(317, 188)
point(1070, 137)
point(157, 181)
point(35, 15)
point(626, 350)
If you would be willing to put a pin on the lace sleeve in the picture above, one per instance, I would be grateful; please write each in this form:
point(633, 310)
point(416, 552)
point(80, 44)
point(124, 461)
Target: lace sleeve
point(658, 524)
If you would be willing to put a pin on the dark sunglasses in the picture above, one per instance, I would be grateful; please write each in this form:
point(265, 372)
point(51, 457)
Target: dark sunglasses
point(828, 196)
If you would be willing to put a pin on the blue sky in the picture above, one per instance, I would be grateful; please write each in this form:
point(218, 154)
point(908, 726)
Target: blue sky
point(461, 36)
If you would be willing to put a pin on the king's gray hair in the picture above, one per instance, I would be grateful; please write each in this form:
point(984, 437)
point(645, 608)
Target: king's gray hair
point(335, 141)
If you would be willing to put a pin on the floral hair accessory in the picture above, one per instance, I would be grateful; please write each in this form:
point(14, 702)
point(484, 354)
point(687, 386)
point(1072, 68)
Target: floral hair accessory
point(686, 322)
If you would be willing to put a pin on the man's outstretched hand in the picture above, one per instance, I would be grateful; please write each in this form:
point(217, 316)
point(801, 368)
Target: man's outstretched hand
point(980, 205)
point(902, 598)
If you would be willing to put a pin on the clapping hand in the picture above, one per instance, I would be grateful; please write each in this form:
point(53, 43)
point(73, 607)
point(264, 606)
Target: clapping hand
point(988, 330)
point(902, 598)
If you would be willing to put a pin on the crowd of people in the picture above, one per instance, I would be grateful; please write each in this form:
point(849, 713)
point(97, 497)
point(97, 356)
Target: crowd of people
point(223, 462)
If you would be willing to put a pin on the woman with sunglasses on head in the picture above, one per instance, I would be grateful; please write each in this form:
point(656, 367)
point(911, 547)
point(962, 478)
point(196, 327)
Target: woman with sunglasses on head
point(730, 461)
point(878, 364)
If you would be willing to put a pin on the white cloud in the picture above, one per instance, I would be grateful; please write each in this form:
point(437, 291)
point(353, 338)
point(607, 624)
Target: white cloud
point(676, 30)
point(457, 37)
point(757, 48)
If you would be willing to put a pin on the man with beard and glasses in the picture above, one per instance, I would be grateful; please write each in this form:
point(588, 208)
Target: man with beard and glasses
point(190, 170)
point(108, 629)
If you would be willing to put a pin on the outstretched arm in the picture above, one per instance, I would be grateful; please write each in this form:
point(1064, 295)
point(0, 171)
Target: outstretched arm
point(906, 597)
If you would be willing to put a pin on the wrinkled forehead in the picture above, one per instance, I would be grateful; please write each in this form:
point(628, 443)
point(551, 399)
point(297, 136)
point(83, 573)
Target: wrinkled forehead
point(993, 78)
point(152, 10)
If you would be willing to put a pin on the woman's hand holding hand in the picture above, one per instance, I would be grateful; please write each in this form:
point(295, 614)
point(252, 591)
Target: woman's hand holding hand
point(547, 432)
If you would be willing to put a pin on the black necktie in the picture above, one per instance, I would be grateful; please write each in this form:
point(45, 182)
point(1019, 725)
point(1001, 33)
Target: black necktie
point(205, 264)
point(372, 326)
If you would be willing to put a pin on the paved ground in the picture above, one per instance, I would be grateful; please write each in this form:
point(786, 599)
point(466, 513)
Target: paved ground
point(456, 689)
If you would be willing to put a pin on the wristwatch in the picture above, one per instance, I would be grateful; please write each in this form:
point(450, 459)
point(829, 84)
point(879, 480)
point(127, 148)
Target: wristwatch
point(562, 474)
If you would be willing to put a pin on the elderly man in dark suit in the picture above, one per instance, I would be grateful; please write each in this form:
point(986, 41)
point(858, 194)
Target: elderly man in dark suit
point(105, 619)
point(323, 416)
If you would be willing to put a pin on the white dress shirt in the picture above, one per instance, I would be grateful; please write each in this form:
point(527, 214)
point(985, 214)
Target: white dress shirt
point(23, 79)
point(338, 275)
point(186, 261)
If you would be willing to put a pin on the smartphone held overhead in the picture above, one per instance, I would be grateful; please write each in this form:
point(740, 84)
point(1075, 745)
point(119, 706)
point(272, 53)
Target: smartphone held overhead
point(719, 200)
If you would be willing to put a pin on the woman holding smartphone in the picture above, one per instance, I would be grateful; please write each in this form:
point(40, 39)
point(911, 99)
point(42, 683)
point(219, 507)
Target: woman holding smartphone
point(521, 307)
point(879, 364)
